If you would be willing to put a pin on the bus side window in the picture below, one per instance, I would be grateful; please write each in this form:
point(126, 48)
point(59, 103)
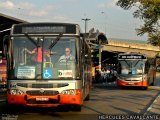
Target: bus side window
point(147, 66)
point(119, 68)
point(6, 40)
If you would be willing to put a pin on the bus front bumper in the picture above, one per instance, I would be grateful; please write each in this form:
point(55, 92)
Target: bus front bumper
point(131, 83)
point(45, 101)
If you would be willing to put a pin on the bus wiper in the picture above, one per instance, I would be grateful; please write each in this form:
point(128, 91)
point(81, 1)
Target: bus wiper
point(31, 39)
point(136, 63)
point(57, 39)
point(126, 63)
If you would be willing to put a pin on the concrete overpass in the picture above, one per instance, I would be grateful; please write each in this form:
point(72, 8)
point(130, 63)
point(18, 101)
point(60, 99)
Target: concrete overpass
point(124, 46)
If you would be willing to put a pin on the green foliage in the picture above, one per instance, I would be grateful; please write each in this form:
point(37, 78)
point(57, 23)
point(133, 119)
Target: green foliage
point(149, 12)
point(154, 38)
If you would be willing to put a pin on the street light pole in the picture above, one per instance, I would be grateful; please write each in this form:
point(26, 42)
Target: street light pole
point(105, 17)
point(86, 19)
point(100, 56)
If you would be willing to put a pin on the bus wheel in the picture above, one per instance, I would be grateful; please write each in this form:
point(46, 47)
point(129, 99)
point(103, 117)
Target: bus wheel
point(87, 97)
point(144, 88)
point(77, 108)
point(16, 109)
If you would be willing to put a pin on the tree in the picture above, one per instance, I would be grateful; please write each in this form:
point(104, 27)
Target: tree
point(149, 12)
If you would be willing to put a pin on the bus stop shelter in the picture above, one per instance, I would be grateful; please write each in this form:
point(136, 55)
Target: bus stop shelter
point(6, 23)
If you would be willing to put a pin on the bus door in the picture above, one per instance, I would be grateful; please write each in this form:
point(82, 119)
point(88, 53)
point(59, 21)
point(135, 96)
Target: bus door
point(87, 71)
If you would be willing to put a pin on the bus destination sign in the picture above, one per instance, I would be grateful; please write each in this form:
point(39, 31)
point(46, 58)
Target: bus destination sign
point(35, 28)
point(44, 29)
point(131, 57)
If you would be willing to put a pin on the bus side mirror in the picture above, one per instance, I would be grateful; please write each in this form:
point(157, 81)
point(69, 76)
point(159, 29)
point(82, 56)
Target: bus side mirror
point(6, 40)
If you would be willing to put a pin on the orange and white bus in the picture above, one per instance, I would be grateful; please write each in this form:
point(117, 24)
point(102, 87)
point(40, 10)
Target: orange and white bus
point(50, 83)
point(135, 69)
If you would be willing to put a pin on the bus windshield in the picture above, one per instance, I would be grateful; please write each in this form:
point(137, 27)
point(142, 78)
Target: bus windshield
point(33, 58)
point(134, 67)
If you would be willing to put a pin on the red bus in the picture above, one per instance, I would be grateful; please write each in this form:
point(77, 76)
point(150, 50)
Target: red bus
point(51, 82)
point(135, 69)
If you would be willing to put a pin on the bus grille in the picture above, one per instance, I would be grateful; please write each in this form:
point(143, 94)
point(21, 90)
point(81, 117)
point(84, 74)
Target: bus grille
point(44, 93)
point(54, 85)
point(22, 85)
point(42, 85)
point(58, 85)
point(132, 80)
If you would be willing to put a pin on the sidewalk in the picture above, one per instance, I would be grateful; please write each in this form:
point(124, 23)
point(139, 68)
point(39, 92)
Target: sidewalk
point(155, 107)
point(157, 80)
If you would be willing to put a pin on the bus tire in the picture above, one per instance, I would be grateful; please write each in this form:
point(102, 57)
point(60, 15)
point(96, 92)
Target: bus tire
point(144, 88)
point(12, 108)
point(87, 97)
point(77, 108)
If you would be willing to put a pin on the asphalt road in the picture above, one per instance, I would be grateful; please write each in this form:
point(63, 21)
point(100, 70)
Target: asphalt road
point(104, 100)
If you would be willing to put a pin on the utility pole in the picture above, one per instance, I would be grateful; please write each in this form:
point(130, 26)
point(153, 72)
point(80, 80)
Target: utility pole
point(86, 19)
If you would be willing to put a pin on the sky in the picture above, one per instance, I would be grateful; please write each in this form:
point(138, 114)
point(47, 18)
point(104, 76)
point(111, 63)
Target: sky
point(104, 15)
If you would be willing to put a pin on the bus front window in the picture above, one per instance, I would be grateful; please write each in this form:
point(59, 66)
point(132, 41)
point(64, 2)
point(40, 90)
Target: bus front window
point(33, 58)
point(63, 63)
point(131, 67)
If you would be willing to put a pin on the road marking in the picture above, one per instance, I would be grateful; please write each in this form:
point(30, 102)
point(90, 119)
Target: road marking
point(151, 105)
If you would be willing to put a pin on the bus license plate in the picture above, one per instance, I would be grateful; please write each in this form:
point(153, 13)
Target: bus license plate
point(42, 99)
point(131, 83)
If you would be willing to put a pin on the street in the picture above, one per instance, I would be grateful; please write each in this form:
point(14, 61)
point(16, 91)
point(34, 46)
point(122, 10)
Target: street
point(104, 100)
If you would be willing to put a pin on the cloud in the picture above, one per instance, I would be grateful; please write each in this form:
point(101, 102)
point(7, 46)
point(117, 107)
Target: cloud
point(26, 8)
point(71, 0)
point(61, 18)
point(101, 6)
point(32, 10)
point(52, 18)
point(8, 5)
point(113, 4)
point(108, 4)
point(38, 13)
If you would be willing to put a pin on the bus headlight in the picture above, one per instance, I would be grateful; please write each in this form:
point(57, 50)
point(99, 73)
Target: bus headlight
point(121, 78)
point(144, 78)
point(16, 92)
point(69, 92)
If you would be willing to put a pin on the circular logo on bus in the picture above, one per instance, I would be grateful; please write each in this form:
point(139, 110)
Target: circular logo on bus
point(41, 90)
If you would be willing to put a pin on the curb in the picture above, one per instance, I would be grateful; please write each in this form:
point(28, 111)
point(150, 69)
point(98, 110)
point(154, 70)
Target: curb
point(151, 106)
point(154, 87)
